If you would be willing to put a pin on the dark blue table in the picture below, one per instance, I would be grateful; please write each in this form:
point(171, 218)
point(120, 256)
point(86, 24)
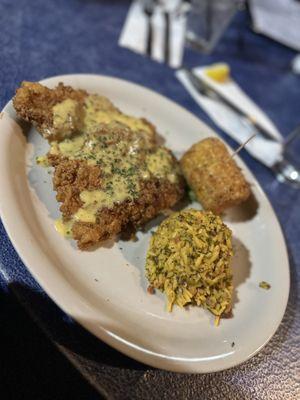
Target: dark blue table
point(45, 38)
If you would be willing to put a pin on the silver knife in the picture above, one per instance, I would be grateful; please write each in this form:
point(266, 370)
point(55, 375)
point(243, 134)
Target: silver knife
point(206, 90)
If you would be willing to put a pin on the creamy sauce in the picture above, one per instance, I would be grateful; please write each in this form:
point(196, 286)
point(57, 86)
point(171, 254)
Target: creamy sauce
point(119, 144)
point(159, 164)
point(42, 161)
point(64, 228)
point(94, 200)
point(70, 116)
point(70, 147)
point(96, 115)
point(67, 118)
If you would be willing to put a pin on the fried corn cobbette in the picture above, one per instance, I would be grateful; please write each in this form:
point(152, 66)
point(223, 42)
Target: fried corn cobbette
point(214, 176)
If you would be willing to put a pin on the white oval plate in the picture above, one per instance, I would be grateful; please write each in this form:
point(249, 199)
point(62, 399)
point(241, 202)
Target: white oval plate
point(105, 290)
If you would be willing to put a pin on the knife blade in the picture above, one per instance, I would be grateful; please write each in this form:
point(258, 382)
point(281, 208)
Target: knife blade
point(206, 90)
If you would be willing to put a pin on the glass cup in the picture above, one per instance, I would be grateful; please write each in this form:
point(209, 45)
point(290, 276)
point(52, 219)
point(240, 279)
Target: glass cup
point(288, 168)
point(206, 22)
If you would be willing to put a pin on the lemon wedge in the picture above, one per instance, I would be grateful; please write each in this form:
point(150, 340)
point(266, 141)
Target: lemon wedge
point(218, 72)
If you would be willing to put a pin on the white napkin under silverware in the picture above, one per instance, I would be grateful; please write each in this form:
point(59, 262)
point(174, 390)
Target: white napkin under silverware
point(266, 151)
point(134, 32)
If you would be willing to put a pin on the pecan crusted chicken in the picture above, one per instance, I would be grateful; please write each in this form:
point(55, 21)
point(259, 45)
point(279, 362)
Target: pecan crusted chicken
point(109, 172)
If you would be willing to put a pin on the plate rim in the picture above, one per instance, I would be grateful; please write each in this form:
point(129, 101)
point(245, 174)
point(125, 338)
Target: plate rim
point(131, 350)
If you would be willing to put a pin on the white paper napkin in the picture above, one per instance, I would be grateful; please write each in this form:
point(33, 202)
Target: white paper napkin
point(279, 19)
point(134, 32)
point(266, 151)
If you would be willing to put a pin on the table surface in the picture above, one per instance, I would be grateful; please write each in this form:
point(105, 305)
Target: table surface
point(45, 38)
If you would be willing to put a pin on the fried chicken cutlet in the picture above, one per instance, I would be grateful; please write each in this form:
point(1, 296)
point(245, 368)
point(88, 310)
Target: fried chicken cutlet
point(109, 172)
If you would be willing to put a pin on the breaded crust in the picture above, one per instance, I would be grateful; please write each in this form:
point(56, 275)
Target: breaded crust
point(155, 196)
point(33, 102)
point(70, 178)
point(73, 176)
point(214, 176)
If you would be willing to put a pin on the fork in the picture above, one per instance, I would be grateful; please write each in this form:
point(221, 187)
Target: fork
point(148, 9)
point(167, 18)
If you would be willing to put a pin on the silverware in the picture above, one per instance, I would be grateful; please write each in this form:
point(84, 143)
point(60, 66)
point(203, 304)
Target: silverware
point(167, 54)
point(206, 90)
point(286, 169)
point(148, 8)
